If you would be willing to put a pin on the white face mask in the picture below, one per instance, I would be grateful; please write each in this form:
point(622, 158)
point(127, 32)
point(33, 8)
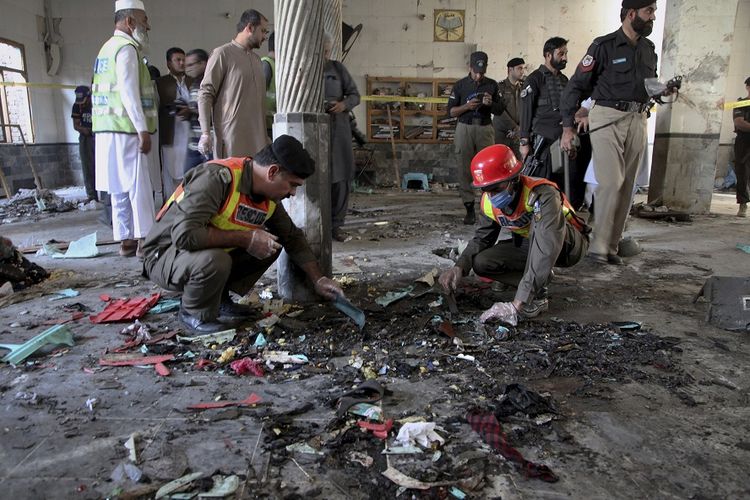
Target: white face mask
point(140, 35)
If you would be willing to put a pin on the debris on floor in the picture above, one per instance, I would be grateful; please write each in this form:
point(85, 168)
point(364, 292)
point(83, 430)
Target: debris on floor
point(17, 269)
point(56, 335)
point(28, 204)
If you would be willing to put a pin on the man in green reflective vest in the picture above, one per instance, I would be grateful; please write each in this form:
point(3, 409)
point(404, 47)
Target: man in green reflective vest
point(124, 116)
point(269, 71)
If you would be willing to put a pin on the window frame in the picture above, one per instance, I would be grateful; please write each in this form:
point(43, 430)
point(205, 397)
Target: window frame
point(6, 133)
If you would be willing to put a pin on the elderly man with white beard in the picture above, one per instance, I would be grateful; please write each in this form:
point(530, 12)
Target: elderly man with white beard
point(124, 116)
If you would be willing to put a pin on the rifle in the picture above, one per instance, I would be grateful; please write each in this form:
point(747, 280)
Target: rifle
point(533, 160)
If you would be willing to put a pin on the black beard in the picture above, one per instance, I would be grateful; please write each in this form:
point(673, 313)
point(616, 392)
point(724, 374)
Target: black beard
point(643, 28)
point(559, 65)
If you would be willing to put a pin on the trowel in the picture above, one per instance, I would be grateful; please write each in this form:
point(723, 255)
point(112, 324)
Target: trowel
point(450, 299)
point(346, 307)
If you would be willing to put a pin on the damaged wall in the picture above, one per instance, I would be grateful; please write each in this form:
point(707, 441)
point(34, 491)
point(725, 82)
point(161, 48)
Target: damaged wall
point(688, 132)
point(739, 70)
point(397, 38)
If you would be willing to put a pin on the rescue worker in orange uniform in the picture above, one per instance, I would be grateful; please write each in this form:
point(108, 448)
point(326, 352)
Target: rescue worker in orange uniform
point(223, 228)
point(532, 208)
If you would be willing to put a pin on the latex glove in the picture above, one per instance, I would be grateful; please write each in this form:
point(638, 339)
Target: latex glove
point(262, 244)
point(204, 144)
point(328, 288)
point(449, 278)
point(504, 311)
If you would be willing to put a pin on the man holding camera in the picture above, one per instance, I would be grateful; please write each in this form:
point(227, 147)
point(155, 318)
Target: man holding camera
point(174, 94)
point(474, 99)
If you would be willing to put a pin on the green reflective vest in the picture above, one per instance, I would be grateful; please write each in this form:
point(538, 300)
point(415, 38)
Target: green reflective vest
point(107, 112)
point(270, 92)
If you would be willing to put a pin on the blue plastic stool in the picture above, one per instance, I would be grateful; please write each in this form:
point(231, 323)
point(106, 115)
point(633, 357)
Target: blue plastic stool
point(415, 177)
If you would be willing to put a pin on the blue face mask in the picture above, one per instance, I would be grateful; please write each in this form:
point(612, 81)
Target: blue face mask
point(501, 199)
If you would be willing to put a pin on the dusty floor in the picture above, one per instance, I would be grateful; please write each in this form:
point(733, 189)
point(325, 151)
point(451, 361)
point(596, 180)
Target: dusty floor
point(657, 413)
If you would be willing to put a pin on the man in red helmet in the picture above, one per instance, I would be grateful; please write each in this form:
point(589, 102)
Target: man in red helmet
point(532, 208)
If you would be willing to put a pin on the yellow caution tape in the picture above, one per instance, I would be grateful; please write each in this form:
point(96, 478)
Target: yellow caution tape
point(737, 104)
point(38, 85)
point(396, 98)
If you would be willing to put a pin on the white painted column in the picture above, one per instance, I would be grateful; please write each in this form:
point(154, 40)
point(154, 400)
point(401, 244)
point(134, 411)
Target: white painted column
point(299, 104)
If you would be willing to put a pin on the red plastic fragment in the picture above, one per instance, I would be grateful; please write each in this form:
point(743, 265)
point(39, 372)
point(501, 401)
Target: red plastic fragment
point(252, 399)
point(104, 297)
point(154, 340)
point(446, 328)
point(162, 369)
point(146, 360)
point(247, 365)
point(126, 309)
point(202, 363)
point(378, 430)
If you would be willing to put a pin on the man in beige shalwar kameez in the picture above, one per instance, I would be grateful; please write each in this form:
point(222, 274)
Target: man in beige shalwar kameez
point(233, 93)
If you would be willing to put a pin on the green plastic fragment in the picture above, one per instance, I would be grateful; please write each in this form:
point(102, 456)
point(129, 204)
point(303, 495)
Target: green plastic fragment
point(58, 334)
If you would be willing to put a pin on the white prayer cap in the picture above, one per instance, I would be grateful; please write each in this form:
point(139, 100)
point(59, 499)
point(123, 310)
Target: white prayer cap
point(129, 4)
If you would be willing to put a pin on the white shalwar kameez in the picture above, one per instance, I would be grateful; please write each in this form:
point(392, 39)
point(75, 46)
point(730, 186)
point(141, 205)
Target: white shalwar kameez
point(121, 169)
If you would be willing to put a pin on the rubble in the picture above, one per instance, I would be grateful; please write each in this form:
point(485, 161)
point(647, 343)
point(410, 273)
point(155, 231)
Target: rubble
point(28, 204)
point(17, 269)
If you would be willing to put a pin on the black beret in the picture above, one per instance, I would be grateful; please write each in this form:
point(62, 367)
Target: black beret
point(292, 156)
point(516, 61)
point(747, 82)
point(637, 4)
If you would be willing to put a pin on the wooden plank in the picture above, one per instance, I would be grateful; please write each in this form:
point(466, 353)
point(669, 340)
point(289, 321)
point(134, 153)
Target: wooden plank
point(4, 182)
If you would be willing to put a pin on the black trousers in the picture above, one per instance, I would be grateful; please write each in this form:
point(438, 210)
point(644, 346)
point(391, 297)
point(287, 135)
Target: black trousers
point(742, 166)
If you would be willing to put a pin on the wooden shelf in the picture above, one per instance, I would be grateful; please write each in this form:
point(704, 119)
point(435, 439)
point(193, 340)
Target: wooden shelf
point(405, 122)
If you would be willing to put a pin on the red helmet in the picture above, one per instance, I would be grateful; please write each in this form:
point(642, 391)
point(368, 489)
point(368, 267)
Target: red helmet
point(494, 164)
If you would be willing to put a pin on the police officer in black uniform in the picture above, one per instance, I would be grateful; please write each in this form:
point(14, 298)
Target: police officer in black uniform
point(540, 112)
point(474, 99)
point(612, 72)
point(741, 118)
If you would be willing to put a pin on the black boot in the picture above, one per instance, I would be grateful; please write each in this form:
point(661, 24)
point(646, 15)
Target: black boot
point(471, 217)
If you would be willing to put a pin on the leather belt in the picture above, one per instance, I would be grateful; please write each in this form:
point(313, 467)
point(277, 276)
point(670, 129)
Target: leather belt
point(627, 106)
point(477, 121)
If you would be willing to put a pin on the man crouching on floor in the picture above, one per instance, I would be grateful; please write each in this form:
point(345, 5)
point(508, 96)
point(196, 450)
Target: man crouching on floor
point(223, 228)
point(539, 216)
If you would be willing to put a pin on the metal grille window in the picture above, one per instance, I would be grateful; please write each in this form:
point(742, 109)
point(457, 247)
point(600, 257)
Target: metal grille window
point(14, 100)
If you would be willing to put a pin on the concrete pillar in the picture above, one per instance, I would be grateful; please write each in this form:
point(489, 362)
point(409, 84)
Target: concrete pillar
point(332, 17)
point(697, 44)
point(299, 104)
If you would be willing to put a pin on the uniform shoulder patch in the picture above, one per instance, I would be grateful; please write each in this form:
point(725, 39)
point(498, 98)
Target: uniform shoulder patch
point(587, 63)
point(537, 211)
point(226, 175)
